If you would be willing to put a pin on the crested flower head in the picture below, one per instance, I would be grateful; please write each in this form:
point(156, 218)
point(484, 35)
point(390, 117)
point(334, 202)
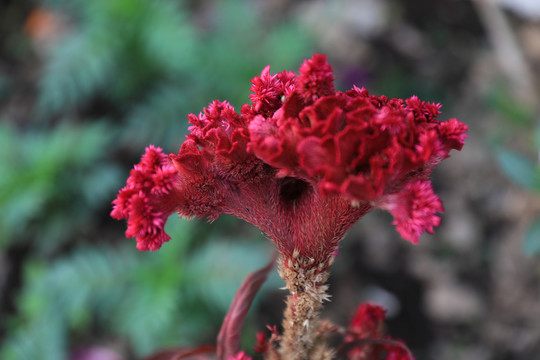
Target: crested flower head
point(365, 337)
point(302, 162)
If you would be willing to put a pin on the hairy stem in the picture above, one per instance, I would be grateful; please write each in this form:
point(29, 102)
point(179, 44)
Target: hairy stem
point(301, 339)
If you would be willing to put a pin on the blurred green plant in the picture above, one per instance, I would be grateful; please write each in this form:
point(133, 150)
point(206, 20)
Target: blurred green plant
point(150, 64)
point(518, 166)
point(53, 182)
point(525, 173)
point(152, 300)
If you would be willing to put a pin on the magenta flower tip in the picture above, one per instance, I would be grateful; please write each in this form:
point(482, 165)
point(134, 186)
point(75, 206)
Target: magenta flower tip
point(142, 201)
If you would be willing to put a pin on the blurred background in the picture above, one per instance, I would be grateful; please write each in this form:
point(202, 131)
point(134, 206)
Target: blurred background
point(86, 85)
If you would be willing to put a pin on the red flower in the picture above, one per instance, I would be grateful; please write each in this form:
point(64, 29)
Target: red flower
point(365, 338)
point(302, 162)
point(316, 79)
point(367, 322)
point(262, 343)
point(414, 209)
point(147, 200)
point(240, 356)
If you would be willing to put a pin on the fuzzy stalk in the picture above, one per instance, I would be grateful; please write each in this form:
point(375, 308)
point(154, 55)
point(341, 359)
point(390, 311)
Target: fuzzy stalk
point(306, 282)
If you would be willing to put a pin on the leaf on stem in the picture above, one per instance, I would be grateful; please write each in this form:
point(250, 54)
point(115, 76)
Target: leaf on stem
point(228, 341)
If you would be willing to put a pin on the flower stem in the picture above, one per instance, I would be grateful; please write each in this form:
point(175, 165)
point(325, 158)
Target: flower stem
point(301, 339)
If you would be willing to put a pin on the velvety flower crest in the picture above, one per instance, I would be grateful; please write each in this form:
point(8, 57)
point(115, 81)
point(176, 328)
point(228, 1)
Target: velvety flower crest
point(301, 161)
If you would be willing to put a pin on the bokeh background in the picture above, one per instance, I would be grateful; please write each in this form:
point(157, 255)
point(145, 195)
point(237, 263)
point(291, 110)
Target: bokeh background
point(86, 85)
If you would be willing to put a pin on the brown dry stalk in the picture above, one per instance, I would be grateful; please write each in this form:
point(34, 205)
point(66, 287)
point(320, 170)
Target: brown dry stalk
point(301, 340)
point(507, 50)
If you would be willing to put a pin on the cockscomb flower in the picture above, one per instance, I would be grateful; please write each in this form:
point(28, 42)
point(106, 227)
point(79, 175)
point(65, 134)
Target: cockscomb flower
point(365, 337)
point(302, 162)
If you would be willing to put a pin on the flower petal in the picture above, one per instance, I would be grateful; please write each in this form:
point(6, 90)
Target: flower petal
point(414, 209)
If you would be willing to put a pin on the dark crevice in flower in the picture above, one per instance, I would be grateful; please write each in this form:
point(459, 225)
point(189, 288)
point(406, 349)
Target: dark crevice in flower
point(293, 189)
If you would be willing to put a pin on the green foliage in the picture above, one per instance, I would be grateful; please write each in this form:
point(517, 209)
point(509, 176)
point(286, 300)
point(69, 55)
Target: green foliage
point(519, 168)
point(150, 43)
point(537, 137)
point(57, 297)
point(513, 111)
point(515, 128)
point(153, 300)
point(525, 173)
point(518, 125)
point(48, 177)
point(531, 244)
point(217, 280)
point(159, 65)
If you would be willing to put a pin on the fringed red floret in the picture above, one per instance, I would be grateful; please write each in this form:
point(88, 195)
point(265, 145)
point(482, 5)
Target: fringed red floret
point(144, 200)
point(414, 209)
point(365, 337)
